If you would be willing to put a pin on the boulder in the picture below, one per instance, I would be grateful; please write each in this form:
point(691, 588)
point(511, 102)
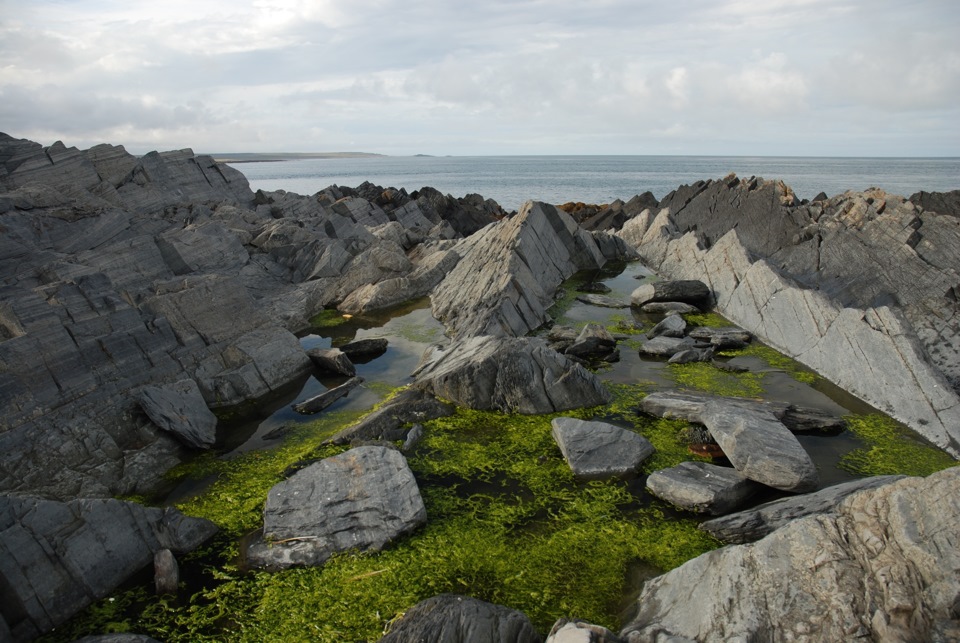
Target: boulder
point(690, 291)
point(361, 499)
point(388, 420)
point(318, 403)
point(598, 450)
point(512, 375)
point(179, 408)
point(760, 447)
point(881, 567)
point(593, 342)
point(449, 618)
point(332, 360)
point(753, 524)
point(361, 351)
point(56, 558)
point(670, 326)
point(702, 487)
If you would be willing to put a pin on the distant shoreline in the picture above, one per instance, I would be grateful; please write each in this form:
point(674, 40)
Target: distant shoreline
point(264, 157)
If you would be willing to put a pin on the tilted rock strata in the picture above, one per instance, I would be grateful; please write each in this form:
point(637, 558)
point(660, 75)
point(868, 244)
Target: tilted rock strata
point(884, 567)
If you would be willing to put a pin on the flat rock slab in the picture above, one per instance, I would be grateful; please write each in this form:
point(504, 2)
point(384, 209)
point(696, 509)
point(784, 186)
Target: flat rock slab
point(602, 301)
point(509, 374)
point(664, 307)
point(318, 403)
point(449, 618)
point(760, 447)
point(722, 338)
point(361, 499)
point(597, 450)
point(180, 409)
point(666, 346)
point(332, 360)
point(753, 524)
point(702, 487)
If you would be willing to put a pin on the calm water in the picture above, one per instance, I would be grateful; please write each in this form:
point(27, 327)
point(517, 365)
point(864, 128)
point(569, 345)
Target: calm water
point(511, 180)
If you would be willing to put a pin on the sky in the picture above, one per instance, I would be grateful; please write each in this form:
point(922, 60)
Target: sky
point(491, 77)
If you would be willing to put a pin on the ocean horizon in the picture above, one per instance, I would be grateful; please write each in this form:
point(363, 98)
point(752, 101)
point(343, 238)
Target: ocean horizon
point(512, 180)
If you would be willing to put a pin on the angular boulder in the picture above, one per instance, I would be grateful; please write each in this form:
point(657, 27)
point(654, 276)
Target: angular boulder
point(508, 374)
point(598, 450)
point(332, 360)
point(361, 499)
point(689, 291)
point(702, 487)
point(666, 346)
point(669, 326)
point(593, 342)
point(449, 618)
point(180, 409)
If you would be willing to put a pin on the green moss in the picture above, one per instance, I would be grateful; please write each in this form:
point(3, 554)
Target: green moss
point(777, 360)
point(708, 378)
point(328, 318)
point(712, 320)
point(891, 448)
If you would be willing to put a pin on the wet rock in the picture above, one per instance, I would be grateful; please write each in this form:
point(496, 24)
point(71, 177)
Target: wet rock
point(594, 287)
point(361, 499)
point(332, 360)
point(318, 403)
point(692, 355)
point(670, 326)
point(690, 291)
point(702, 487)
point(666, 307)
point(593, 342)
point(666, 346)
point(166, 572)
point(566, 631)
point(413, 438)
point(57, 558)
point(598, 450)
point(731, 338)
point(513, 375)
point(860, 571)
point(458, 619)
point(753, 524)
point(386, 423)
point(179, 408)
point(602, 301)
point(361, 351)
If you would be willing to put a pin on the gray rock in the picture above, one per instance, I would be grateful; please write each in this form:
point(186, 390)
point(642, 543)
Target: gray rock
point(393, 292)
point(666, 346)
point(760, 447)
point(180, 409)
point(690, 291)
point(363, 350)
point(362, 499)
point(722, 338)
point(701, 487)
point(593, 342)
point(597, 450)
point(166, 572)
point(57, 558)
point(449, 618)
point(387, 422)
point(319, 402)
point(332, 360)
point(881, 567)
point(670, 326)
point(566, 631)
point(513, 375)
point(664, 307)
point(692, 355)
point(413, 438)
point(753, 524)
point(602, 301)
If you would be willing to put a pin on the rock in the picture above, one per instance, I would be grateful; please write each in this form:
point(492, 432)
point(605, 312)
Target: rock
point(702, 487)
point(361, 499)
point(666, 307)
point(594, 287)
point(512, 375)
point(332, 360)
point(601, 301)
point(387, 421)
point(57, 558)
point(666, 346)
point(458, 619)
point(393, 292)
point(597, 450)
point(166, 572)
point(692, 355)
point(940, 202)
point(753, 524)
point(413, 438)
point(509, 272)
point(361, 351)
point(722, 338)
point(669, 326)
point(881, 567)
point(320, 402)
point(565, 631)
point(760, 447)
point(593, 342)
point(689, 291)
point(180, 409)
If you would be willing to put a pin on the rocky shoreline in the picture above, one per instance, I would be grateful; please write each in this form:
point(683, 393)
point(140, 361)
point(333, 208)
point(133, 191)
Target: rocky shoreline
point(140, 295)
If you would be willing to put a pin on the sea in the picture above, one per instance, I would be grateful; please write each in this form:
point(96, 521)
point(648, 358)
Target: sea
point(512, 180)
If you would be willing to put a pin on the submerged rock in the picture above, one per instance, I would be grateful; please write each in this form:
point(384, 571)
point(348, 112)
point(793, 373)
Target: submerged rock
point(449, 618)
point(361, 499)
point(386, 422)
point(318, 403)
point(512, 375)
point(598, 450)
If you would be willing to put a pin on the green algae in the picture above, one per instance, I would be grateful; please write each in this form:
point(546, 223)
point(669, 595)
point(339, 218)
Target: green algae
point(328, 318)
point(712, 320)
point(891, 448)
point(702, 376)
point(776, 360)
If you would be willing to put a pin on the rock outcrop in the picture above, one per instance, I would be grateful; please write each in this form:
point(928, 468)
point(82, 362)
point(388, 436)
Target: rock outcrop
point(56, 558)
point(508, 374)
point(361, 499)
point(858, 287)
point(882, 567)
point(459, 619)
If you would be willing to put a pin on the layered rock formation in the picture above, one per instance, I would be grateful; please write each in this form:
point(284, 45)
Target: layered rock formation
point(859, 287)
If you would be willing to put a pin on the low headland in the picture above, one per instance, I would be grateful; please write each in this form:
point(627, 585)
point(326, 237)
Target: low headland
point(727, 414)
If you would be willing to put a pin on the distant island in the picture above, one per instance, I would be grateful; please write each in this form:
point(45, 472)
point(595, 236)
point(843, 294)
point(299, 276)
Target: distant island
point(266, 157)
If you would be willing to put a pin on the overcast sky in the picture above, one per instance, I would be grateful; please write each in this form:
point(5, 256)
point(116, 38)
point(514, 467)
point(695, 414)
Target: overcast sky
point(717, 77)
